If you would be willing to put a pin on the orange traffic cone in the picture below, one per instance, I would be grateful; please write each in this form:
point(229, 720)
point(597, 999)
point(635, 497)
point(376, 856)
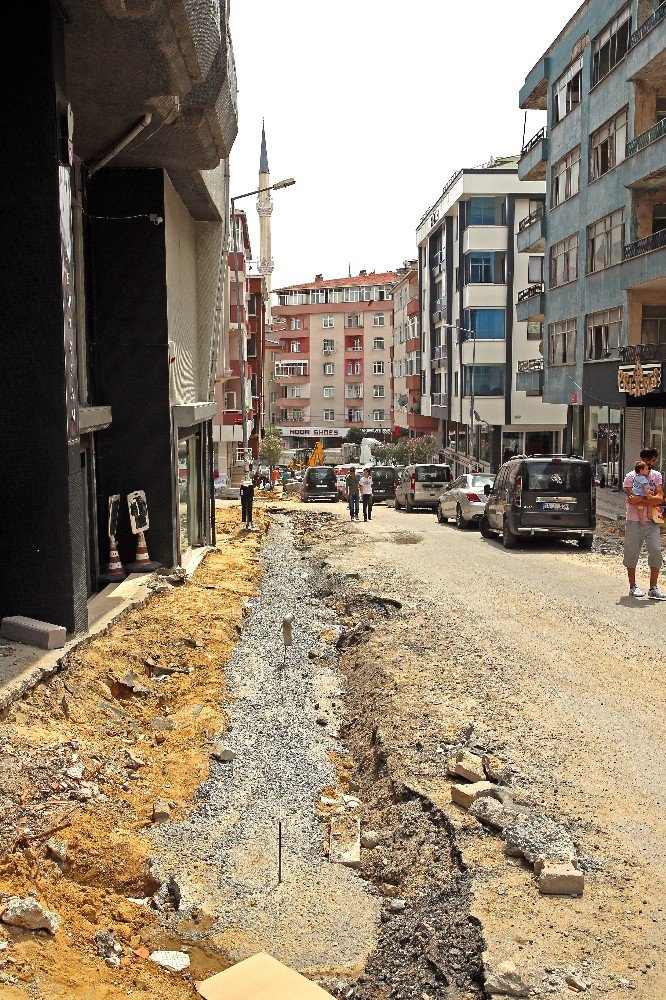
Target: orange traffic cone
point(115, 571)
point(143, 563)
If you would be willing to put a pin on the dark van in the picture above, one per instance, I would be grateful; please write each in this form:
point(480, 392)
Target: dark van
point(320, 484)
point(544, 495)
point(384, 479)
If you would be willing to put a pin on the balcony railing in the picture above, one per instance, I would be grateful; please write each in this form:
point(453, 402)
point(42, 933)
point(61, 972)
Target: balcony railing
point(646, 138)
point(530, 291)
point(643, 353)
point(638, 247)
point(541, 134)
point(534, 216)
point(646, 27)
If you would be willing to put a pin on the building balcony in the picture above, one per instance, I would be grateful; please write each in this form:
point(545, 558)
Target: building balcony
point(413, 382)
point(412, 344)
point(534, 92)
point(485, 238)
point(484, 296)
point(413, 308)
point(645, 263)
point(531, 303)
point(532, 232)
point(646, 58)
point(421, 423)
point(439, 353)
point(354, 348)
point(288, 373)
point(645, 165)
point(533, 158)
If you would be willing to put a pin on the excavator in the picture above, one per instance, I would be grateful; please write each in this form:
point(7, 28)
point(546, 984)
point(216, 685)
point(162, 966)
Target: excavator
point(317, 456)
point(303, 459)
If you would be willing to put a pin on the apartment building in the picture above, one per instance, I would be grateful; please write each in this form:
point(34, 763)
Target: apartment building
point(602, 155)
point(333, 370)
point(407, 416)
point(481, 364)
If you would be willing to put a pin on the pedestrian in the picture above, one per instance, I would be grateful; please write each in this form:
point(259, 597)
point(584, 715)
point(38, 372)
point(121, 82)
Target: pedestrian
point(641, 488)
point(247, 498)
point(365, 486)
point(352, 489)
point(637, 534)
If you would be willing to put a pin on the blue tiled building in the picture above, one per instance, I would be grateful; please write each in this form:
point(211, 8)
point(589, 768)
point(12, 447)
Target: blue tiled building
point(602, 301)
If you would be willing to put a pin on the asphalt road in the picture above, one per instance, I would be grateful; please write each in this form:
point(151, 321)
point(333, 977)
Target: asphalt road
point(544, 650)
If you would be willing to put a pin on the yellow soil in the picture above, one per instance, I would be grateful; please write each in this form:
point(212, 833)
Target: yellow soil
point(109, 842)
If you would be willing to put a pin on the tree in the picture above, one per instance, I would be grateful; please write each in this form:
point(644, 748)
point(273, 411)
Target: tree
point(354, 435)
point(423, 449)
point(270, 449)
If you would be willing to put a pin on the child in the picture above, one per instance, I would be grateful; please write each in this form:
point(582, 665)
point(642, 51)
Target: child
point(641, 488)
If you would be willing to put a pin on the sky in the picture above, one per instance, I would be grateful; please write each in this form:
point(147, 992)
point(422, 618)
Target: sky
point(372, 105)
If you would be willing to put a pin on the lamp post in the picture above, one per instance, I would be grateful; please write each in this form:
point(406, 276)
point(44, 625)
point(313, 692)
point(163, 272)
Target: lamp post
point(241, 342)
point(472, 334)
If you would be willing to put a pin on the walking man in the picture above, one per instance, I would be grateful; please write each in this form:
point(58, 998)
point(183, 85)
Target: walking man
point(366, 493)
point(352, 486)
point(635, 533)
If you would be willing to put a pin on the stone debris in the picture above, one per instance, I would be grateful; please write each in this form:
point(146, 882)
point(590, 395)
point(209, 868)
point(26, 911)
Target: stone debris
point(30, 914)
point(576, 982)
point(134, 762)
point(496, 769)
point(57, 849)
point(560, 880)
point(133, 682)
point(108, 948)
point(503, 979)
point(223, 754)
point(174, 961)
point(168, 896)
point(345, 841)
point(496, 813)
point(161, 812)
point(75, 772)
point(369, 839)
point(160, 722)
point(467, 765)
point(536, 836)
point(397, 906)
point(464, 795)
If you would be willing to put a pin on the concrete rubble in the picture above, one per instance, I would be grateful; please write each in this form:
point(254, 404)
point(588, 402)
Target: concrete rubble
point(30, 914)
point(503, 979)
point(464, 795)
point(536, 836)
point(173, 961)
point(467, 765)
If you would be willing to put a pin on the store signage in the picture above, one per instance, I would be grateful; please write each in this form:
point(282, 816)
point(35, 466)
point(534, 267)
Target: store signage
point(306, 432)
point(638, 379)
point(531, 365)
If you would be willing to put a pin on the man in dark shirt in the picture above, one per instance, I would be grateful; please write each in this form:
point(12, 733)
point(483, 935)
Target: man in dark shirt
point(352, 486)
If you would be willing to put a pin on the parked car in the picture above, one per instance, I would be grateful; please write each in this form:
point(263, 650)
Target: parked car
point(542, 496)
point(384, 481)
point(319, 484)
point(421, 486)
point(464, 499)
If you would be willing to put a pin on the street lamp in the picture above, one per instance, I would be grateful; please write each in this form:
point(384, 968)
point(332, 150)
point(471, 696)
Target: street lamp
point(472, 334)
point(241, 342)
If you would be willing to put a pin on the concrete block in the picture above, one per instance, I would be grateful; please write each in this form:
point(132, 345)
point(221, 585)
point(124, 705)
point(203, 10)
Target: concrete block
point(467, 765)
point(560, 880)
point(33, 632)
point(345, 841)
point(464, 795)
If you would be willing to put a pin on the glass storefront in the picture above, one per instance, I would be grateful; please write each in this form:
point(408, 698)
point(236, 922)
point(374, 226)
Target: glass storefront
point(655, 430)
point(528, 443)
point(189, 491)
point(602, 443)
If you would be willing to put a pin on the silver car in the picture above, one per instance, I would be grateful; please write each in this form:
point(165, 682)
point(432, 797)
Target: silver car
point(464, 499)
point(421, 485)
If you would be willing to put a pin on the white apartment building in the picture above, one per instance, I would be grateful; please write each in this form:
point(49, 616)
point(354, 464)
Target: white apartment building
point(483, 386)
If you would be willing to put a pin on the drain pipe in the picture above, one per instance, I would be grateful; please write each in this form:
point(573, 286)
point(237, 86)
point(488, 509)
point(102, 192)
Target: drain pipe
point(120, 145)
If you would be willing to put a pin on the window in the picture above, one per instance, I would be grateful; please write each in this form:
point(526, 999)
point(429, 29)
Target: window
point(488, 324)
point(605, 241)
point(329, 415)
point(457, 278)
point(329, 368)
point(529, 383)
point(535, 270)
point(562, 343)
point(378, 368)
point(567, 90)
point(291, 369)
point(252, 304)
point(484, 267)
point(295, 347)
point(274, 397)
point(295, 323)
point(354, 345)
point(378, 390)
point(328, 322)
point(294, 414)
point(603, 333)
point(565, 177)
point(329, 391)
point(610, 46)
point(293, 392)
point(353, 367)
point(455, 384)
point(354, 390)
point(274, 355)
point(485, 212)
point(378, 415)
point(329, 346)
point(653, 328)
point(534, 330)
point(354, 416)
point(378, 343)
point(608, 145)
point(353, 320)
point(378, 319)
point(230, 400)
point(488, 380)
point(352, 294)
point(564, 261)
point(318, 296)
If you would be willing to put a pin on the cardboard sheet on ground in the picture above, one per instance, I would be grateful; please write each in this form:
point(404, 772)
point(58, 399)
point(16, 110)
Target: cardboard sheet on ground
point(260, 978)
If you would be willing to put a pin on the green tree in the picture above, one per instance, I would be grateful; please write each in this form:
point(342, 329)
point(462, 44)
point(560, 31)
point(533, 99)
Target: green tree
point(270, 449)
point(354, 435)
point(423, 449)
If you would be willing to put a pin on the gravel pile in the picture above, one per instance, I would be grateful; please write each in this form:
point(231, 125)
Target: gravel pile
point(281, 718)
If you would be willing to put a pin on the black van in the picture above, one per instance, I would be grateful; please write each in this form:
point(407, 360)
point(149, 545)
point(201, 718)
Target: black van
point(320, 484)
point(544, 495)
point(384, 480)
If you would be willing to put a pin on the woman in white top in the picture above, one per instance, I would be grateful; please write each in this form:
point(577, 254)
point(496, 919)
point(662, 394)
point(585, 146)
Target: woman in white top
point(365, 487)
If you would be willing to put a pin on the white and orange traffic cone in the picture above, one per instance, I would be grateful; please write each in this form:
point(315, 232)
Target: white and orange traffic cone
point(115, 571)
point(142, 563)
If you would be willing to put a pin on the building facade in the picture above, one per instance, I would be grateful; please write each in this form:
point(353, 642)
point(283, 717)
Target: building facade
point(114, 208)
point(602, 155)
point(333, 368)
point(481, 364)
point(406, 362)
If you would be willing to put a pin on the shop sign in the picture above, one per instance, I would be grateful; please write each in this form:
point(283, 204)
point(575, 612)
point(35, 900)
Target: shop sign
point(531, 365)
point(306, 432)
point(638, 379)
